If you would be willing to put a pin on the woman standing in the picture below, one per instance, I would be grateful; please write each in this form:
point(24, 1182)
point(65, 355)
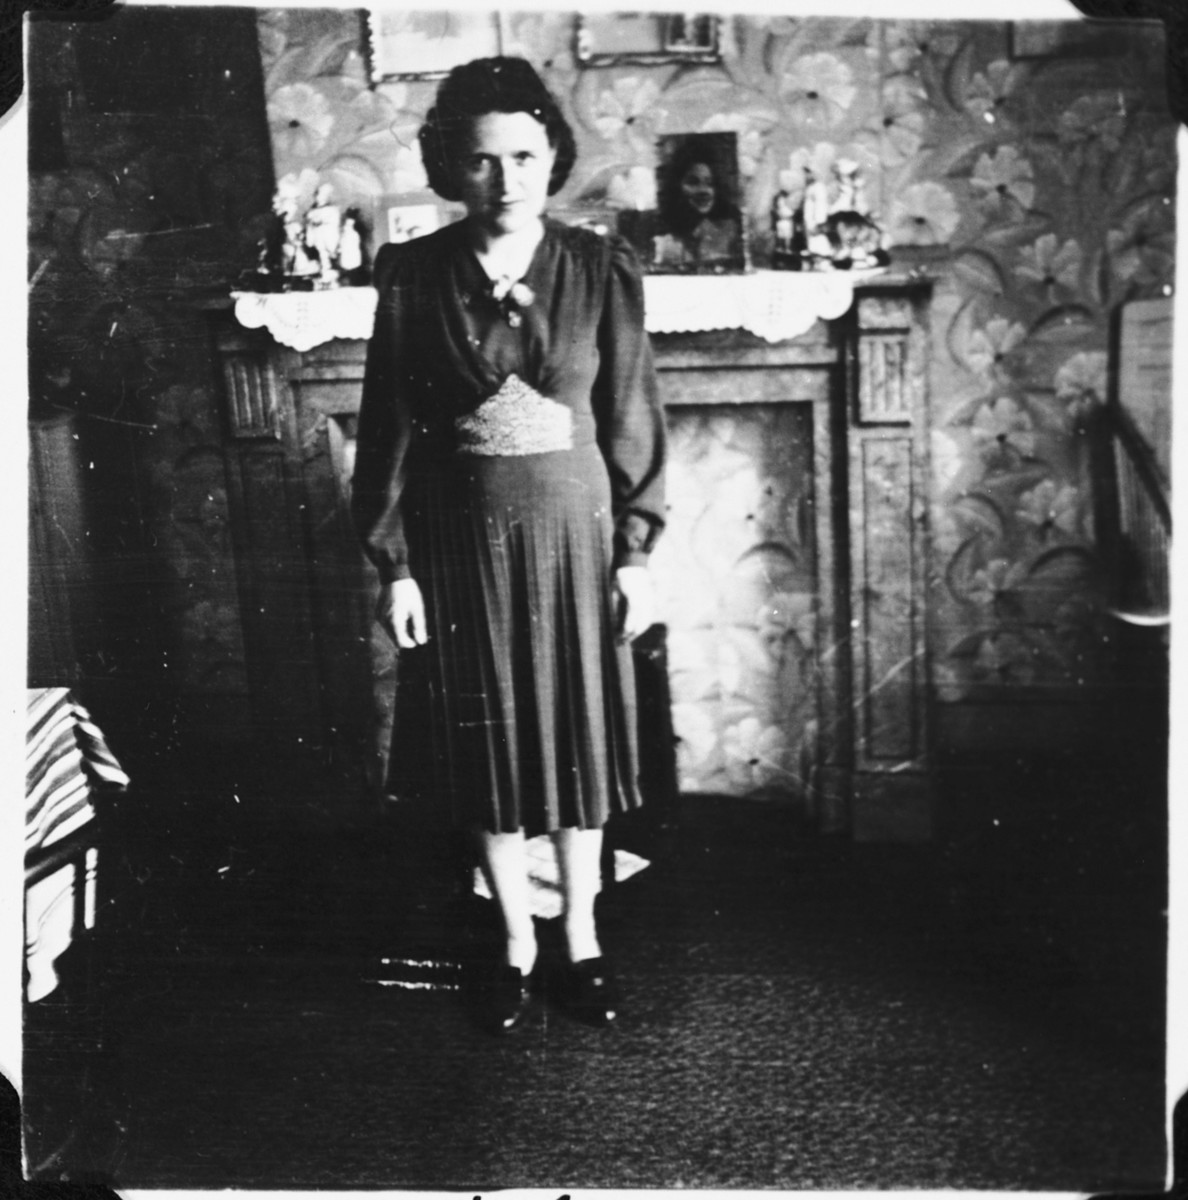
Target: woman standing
point(508, 489)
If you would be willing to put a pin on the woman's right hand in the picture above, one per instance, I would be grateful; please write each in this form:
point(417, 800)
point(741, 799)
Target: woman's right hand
point(401, 611)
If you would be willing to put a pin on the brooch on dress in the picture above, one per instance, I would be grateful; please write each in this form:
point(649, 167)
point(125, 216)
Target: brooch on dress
point(511, 298)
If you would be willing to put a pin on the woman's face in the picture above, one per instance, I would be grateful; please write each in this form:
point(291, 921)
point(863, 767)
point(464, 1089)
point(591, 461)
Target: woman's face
point(697, 188)
point(503, 174)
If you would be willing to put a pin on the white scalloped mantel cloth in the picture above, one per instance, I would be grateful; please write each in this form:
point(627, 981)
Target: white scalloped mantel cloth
point(303, 320)
point(773, 305)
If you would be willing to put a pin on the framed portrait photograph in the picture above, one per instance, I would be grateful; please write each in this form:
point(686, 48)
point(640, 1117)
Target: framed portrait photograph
point(697, 227)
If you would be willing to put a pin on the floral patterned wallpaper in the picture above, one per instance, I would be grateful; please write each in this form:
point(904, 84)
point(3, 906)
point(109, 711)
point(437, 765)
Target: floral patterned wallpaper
point(1038, 189)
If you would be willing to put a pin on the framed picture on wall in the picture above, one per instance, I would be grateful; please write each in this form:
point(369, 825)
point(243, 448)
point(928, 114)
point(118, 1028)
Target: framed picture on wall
point(426, 44)
point(408, 221)
point(697, 227)
point(691, 34)
point(614, 39)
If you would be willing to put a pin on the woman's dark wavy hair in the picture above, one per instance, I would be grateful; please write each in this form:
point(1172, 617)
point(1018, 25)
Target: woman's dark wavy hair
point(678, 216)
point(489, 85)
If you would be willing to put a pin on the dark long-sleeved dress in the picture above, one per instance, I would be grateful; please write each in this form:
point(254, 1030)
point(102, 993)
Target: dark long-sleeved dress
point(510, 457)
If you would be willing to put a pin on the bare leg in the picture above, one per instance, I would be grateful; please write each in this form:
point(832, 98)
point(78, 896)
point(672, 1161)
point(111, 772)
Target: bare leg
point(506, 869)
point(579, 858)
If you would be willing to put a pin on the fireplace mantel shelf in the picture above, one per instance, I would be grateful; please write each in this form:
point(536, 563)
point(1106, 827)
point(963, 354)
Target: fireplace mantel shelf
point(773, 305)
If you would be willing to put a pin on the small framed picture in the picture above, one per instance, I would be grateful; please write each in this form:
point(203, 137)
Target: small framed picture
point(697, 227)
point(428, 44)
point(408, 221)
point(617, 39)
point(691, 33)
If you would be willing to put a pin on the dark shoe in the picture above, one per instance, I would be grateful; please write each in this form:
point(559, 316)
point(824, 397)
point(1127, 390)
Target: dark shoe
point(508, 999)
point(590, 993)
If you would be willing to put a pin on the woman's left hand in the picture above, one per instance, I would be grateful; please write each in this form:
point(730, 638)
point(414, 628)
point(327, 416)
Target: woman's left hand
point(636, 601)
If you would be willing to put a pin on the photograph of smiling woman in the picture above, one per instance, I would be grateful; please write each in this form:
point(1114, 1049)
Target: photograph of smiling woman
point(700, 225)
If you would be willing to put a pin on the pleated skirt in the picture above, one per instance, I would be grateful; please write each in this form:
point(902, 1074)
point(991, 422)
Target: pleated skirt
point(529, 697)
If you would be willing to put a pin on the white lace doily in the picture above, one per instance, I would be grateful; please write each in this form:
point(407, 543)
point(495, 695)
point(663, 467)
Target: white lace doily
point(303, 320)
point(773, 305)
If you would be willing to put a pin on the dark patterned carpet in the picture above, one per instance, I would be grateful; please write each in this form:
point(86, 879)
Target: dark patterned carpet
point(800, 1013)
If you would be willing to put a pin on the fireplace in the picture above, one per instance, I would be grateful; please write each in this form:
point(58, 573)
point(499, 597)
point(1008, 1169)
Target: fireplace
point(791, 575)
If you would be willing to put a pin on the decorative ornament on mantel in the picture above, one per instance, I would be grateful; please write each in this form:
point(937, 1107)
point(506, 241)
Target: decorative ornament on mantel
point(317, 251)
point(828, 227)
point(773, 305)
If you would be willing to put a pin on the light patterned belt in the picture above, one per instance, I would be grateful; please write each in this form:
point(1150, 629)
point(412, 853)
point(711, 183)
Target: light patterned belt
point(516, 420)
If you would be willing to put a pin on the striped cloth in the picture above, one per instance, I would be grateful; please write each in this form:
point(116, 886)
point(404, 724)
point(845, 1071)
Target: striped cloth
point(66, 757)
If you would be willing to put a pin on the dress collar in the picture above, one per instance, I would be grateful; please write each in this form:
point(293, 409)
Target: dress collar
point(469, 284)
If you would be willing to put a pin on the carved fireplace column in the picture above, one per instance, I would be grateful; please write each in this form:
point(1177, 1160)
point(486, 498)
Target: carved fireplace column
point(886, 398)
